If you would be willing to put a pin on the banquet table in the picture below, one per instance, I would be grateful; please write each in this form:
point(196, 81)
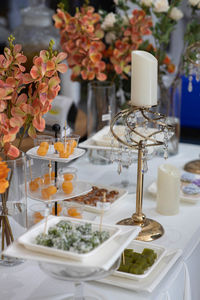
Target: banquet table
point(182, 231)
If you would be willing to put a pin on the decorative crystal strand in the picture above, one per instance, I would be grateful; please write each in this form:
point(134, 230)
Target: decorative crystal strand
point(144, 162)
point(165, 143)
point(119, 169)
point(190, 78)
point(112, 146)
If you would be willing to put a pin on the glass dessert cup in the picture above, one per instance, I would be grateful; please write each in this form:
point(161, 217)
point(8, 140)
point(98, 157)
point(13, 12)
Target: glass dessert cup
point(78, 275)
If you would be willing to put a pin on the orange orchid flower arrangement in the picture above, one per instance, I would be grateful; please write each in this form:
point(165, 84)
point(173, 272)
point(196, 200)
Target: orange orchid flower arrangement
point(26, 97)
point(91, 54)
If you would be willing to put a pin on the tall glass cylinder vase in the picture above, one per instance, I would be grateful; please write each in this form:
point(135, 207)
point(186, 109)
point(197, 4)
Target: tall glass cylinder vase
point(101, 106)
point(13, 206)
point(170, 105)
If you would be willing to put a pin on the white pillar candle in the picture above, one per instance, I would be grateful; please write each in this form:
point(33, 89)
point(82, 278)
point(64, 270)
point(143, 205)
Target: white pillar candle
point(144, 79)
point(168, 190)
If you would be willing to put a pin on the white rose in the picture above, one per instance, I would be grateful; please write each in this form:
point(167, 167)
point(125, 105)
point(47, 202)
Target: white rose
point(110, 37)
point(161, 6)
point(194, 2)
point(147, 3)
point(176, 14)
point(116, 2)
point(109, 21)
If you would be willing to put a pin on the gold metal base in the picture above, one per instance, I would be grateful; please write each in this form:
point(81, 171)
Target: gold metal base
point(151, 230)
point(193, 166)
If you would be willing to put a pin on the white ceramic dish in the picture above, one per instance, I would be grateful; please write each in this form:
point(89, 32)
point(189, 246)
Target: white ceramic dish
point(28, 239)
point(149, 283)
point(152, 189)
point(80, 188)
point(119, 198)
point(51, 155)
point(138, 246)
point(102, 140)
point(106, 255)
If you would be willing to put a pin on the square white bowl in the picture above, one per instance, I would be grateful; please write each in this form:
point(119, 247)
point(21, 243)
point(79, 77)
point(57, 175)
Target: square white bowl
point(28, 238)
point(138, 246)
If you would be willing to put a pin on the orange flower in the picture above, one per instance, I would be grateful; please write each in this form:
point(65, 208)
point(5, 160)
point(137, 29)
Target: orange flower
point(171, 68)
point(3, 175)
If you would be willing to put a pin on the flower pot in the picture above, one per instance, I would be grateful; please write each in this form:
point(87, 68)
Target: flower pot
point(13, 206)
point(169, 104)
point(101, 107)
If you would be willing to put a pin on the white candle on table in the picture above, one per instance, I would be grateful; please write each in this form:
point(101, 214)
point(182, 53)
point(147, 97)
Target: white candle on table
point(168, 190)
point(144, 79)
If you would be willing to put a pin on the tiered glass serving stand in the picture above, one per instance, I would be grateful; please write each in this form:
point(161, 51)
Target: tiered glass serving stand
point(76, 274)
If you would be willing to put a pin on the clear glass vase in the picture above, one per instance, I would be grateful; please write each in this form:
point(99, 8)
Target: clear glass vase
point(169, 104)
point(101, 107)
point(13, 206)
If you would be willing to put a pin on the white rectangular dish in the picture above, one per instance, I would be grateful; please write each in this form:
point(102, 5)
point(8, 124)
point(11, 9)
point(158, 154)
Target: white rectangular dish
point(138, 246)
point(103, 139)
point(80, 188)
point(149, 283)
point(106, 256)
point(28, 238)
point(51, 155)
point(94, 209)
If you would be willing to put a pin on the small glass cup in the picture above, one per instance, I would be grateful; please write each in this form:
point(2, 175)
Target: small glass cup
point(37, 213)
point(65, 146)
point(43, 142)
point(72, 209)
point(67, 174)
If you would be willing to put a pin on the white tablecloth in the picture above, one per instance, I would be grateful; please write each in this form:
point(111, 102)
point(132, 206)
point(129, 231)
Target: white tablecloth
point(182, 231)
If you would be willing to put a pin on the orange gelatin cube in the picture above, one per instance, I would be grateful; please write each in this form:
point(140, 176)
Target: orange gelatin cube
point(68, 176)
point(33, 186)
point(67, 187)
point(59, 209)
point(38, 180)
point(42, 151)
point(72, 212)
point(52, 190)
point(45, 194)
point(37, 217)
point(64, 154)
point(44, 145)
point(58, 146)
point(47, 180)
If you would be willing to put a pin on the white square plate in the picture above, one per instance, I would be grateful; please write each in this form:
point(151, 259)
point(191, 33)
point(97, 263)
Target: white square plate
point(138, 246)
point(28, 238)
point(51, 155)
point(104, 259)
point(95, 209)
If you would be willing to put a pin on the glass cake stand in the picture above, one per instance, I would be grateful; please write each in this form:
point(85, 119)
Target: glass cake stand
point(78, 275)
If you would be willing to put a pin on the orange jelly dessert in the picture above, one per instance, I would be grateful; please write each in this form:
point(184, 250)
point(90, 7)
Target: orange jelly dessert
point(45, 194)
point(59, 209)
point(44, 145)
point(67, 187)
point(72, 212)
point(33, 186)
point(64, 154)
point(37, 217)
point(52, 190)
point(42, 151)
point(58, 146)
point(47, 177)
point(68, 176)
point(39, 180)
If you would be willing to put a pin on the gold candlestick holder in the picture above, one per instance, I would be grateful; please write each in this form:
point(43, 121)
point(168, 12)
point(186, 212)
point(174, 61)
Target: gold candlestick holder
point(144, 128)
point(192, 61)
